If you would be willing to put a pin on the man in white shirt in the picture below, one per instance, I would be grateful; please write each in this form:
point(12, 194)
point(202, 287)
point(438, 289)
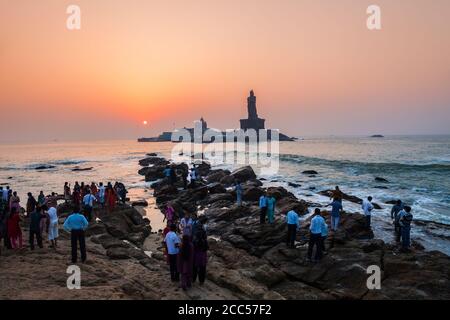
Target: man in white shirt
point(315, 236)
point(367, 207)
point(53, 226)
point(172, 243)
point(186, 225)
point(5, 193)
point(88, 202)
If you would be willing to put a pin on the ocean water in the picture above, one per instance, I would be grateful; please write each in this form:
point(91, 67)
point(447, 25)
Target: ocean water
point(417, 168)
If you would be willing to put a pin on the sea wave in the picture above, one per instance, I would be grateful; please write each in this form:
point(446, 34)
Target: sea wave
point(373, 167)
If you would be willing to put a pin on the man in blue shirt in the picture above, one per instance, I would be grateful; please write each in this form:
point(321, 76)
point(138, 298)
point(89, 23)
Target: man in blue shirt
point(173, 242)
point(315, 236)
point(293, 224)
point(262, 208)
point(88, 203)
point(76, 224)
point(336, 209)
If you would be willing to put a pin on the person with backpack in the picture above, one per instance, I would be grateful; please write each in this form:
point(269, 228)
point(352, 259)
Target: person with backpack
point(200, 252)
point(405, 220)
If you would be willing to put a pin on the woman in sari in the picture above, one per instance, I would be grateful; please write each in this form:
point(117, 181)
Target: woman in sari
point(186, 262)
point(14, 231)
point(110, 197)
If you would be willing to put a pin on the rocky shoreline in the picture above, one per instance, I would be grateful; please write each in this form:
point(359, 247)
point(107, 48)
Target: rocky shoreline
point(246, 260)
point(253, 261)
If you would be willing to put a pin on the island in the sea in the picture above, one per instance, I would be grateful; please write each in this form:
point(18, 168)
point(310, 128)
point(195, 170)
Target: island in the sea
point(252, 122)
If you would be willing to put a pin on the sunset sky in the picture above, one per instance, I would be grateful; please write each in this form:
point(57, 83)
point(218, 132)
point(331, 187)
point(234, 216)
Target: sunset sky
point(314, 66)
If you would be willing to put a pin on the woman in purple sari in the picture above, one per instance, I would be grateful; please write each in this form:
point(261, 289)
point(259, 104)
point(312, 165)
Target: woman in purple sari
point(185, 262)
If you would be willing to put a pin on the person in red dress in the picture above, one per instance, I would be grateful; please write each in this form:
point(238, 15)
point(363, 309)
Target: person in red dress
point(14, 231)
point(110, 197)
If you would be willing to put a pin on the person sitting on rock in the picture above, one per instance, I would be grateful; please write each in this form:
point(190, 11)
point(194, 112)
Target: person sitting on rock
point(405, 219)
point(315, 235)
point(271, 209)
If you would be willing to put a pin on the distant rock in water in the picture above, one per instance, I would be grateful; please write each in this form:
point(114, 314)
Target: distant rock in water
point(310, 172)
point(379, 179)
point(377, 136)
point(294, 185)
point(152, 154)
point(45, 167)
point(381, 187)
point(82, 169)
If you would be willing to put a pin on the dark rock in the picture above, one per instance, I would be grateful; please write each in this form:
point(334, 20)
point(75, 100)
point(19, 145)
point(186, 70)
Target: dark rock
point(45, 167)
point(216, 188)
point(203, 168)
point(140, 203)
point(287, 204)
point(252, 193)
point(95, 229)
point(82, 169)
point(294, 185)
point(379, 179)
point(243, 174)
point(216, 175)
point(154, 161)
point(310, 172)
point(152, 154)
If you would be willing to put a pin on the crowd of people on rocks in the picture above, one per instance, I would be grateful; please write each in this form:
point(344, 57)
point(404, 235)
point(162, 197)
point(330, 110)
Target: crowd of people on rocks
point(400, 214)
point(42, 217)
point(185, 246)
point(184, 238)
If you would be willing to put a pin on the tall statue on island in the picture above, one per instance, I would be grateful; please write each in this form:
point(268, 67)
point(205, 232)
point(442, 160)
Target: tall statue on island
point(251, 106)
point(253, 121)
